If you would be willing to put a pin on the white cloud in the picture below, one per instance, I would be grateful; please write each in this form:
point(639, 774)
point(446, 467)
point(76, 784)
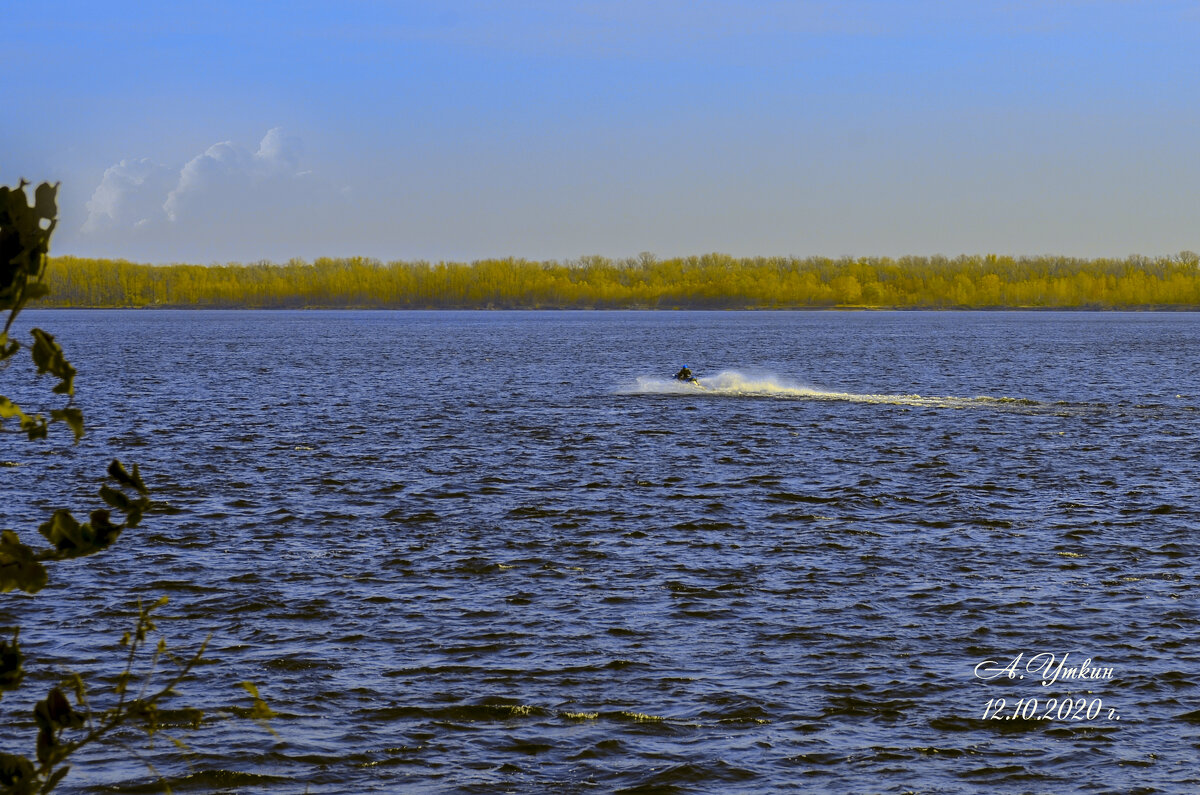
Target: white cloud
point(279, 152)
point(139, 193)
point(228, 202)
point(214, 180)
point(130, 194)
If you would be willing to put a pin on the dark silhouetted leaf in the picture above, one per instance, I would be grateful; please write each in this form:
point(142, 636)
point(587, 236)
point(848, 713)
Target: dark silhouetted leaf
point(49, 358)
point(261, 711)
point(56, 777)
point(63, 531)
point(19, 569)
point(56, 713)
point(45, 201)
point(72, 539)
point(17, 774)
point(115, 498)
point(9, 409)
point(117, 472)
point(34, 427)
point(104, 532)
point(134, 517)
point(47, 747)
point(73, 417)
point(11, 670)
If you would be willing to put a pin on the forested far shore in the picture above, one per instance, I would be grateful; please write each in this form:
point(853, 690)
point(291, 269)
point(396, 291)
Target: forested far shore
point(711, 281)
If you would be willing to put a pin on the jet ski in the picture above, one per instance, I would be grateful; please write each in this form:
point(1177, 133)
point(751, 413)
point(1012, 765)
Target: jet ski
point(685, 376)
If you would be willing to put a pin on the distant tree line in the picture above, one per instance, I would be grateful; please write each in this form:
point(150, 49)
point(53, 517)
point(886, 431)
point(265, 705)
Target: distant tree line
point(711, 281)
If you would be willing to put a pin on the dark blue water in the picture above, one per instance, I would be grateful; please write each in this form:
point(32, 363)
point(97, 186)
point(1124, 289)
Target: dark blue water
point(501, 552)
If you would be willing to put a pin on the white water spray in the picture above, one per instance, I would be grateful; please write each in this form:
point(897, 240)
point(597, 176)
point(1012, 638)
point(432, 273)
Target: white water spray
point(734, 383)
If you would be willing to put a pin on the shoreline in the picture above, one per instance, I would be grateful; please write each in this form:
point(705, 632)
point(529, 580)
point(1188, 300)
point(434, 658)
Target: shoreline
point(1147, 308)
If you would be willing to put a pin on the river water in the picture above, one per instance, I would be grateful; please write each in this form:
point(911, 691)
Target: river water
point(503, 552)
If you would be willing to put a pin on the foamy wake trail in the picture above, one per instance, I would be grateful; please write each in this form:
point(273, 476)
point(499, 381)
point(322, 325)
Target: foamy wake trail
point(732, 382)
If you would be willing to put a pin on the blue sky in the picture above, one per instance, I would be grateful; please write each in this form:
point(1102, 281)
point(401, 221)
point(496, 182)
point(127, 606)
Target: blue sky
point(223, 131)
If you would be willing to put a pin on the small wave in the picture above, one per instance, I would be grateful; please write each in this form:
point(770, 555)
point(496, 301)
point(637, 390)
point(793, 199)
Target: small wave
point(737, 384)
point(206, 780)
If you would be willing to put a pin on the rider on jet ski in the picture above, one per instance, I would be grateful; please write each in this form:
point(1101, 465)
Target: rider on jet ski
point(685, 375)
